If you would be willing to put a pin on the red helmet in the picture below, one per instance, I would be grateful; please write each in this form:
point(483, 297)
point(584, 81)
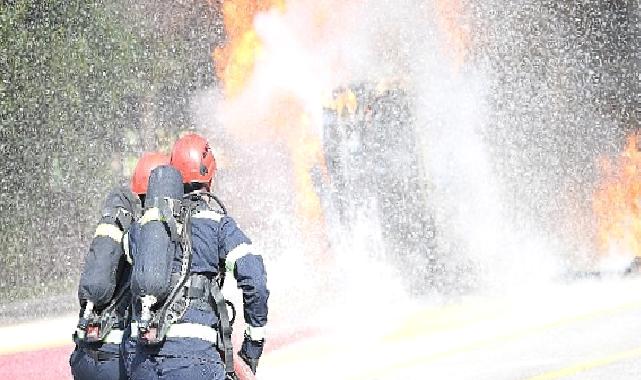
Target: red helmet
point(147, 162)
point(193, 158)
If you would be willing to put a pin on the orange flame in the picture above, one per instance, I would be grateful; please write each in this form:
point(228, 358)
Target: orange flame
point(616, 203)
point(449, 13)
point(291, 123)
point(235, 61)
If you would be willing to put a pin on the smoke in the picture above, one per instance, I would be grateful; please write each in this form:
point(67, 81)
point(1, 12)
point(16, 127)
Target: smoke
point(498, 135)
point(306, 52)
point(478, 128)
point(480, 238)
point(557, 77)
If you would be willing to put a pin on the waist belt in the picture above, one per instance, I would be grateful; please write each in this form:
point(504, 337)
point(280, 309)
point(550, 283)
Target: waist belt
point(101, 356)
point(198, 287)
point(186, 330)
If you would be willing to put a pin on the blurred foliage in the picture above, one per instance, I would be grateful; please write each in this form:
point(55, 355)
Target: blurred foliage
point(84, 88)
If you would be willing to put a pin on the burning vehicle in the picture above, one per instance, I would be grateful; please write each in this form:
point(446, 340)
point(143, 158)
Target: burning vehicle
point(374, 162)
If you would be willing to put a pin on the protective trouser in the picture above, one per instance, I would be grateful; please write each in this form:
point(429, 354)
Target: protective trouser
point(97, 363)
point(179, 358)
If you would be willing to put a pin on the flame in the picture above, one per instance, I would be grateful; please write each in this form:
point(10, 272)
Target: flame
point(235, 61)
point(288, 117)
point(457, 35)
point(616, 203)
point(294, 126)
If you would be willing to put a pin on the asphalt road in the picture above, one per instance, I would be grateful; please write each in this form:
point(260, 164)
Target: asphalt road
point(585, 330)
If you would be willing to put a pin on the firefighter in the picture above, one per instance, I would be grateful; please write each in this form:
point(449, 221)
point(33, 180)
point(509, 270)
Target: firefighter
point(148, 162)
point(104, 282)
point(188, 335)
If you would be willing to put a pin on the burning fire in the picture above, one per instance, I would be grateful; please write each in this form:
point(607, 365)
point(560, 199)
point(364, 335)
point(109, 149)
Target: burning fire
point(286, 113)
point(235, 61)
point(449, 12)
point(617, 203)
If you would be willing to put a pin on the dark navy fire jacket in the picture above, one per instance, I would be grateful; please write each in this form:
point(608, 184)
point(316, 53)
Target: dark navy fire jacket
point(216, 239)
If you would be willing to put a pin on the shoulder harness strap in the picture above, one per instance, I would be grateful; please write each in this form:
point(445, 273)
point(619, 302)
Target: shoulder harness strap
point(225, 328)
point(175, 304)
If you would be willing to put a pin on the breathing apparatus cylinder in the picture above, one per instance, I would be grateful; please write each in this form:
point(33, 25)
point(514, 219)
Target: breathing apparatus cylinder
point(159, 242)
point(105, 260)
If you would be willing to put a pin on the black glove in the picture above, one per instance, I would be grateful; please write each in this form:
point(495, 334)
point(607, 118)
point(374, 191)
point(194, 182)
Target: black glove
point(250, 352)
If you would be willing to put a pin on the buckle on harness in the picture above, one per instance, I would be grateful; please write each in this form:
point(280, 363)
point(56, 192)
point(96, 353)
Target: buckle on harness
point(149, 328)
point(92, 333)
point(150, 335)
point(91, 328)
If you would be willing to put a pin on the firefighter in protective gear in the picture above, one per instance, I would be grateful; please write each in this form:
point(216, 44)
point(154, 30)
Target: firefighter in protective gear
point(104, 283)
point(197, 345)
point(147, 162)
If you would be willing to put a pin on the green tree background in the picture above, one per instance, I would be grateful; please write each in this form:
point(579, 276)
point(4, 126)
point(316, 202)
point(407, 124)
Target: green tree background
point(85, 87)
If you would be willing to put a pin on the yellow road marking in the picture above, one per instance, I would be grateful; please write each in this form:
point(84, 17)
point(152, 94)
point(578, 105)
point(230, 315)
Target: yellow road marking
point(38, 335)
point(441, 318)
point(588, 365)
point(446, 318)
point(424, 359)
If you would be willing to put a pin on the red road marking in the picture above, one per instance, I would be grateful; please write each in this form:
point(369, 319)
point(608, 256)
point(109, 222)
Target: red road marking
point(51, 363)
point(280, 341)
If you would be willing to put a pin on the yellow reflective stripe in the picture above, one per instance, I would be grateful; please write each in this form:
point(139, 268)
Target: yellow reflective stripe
point(208, 214)
point(256, 333)
point(235, 254)
point(125, 243)
point(109, 230)
point(134, 330)
point(153, 214)
point(193, 330)
point(185, 330)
